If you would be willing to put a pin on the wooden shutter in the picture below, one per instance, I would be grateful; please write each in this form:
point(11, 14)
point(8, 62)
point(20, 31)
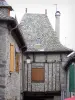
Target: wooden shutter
point(17, 61)
point(11, 58)
point(38, 74)
point(72, 78)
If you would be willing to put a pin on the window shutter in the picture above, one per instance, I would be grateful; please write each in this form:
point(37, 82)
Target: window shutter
point(38, 74)
point(72, 78)
point(11, 58)
point(17, 61)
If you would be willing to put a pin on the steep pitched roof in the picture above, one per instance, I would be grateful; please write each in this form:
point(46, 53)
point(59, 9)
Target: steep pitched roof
point(4, 4)
point(37, 28)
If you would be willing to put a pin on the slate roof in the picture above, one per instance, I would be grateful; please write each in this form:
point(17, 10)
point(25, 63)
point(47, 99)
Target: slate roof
point(38, 29)
point(3, 3)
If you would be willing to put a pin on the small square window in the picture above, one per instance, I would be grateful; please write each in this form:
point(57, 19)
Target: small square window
point(38, 74)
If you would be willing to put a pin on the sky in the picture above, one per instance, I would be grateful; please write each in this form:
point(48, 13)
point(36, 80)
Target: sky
point(67, 18)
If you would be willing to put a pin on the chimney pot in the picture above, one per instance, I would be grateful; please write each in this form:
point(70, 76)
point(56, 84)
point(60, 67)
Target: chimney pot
point(57, 13)
point(26, 10)
point(46, 11)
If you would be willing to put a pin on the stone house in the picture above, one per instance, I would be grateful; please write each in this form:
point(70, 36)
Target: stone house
point(12, 46)
point(70, 75)
point(43, 74)
point(37, 73)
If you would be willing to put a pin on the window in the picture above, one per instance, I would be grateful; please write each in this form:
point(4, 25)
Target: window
point(11, 58)
point(37, 74)
point(17, 61)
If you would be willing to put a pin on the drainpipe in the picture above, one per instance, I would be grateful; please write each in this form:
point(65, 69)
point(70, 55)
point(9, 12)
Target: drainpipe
point(13, 28)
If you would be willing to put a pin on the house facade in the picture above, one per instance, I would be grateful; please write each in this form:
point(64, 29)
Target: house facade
point(43, 73)
point(70, 75)
point(12, 46)
point(37, 73)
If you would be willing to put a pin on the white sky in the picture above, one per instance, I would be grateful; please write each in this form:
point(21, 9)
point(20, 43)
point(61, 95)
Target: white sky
point(66, 7)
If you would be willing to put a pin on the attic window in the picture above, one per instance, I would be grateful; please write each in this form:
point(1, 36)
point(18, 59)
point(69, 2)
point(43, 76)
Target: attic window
point(37, 74)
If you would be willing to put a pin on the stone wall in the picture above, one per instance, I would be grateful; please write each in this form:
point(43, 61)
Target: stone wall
point(9, 83)
point(4, 12)
point(12, 80)
point(2, 60)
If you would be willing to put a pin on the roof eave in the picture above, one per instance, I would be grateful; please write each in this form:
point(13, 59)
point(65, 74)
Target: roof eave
point(7, 7)
point(18, 36)
point(65, 52)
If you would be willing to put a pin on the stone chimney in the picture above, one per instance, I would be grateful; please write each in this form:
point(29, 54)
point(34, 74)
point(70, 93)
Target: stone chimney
point(5, 8)
point(57, 23)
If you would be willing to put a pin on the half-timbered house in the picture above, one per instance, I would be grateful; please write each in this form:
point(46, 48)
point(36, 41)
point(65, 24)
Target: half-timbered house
point(43, 73)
